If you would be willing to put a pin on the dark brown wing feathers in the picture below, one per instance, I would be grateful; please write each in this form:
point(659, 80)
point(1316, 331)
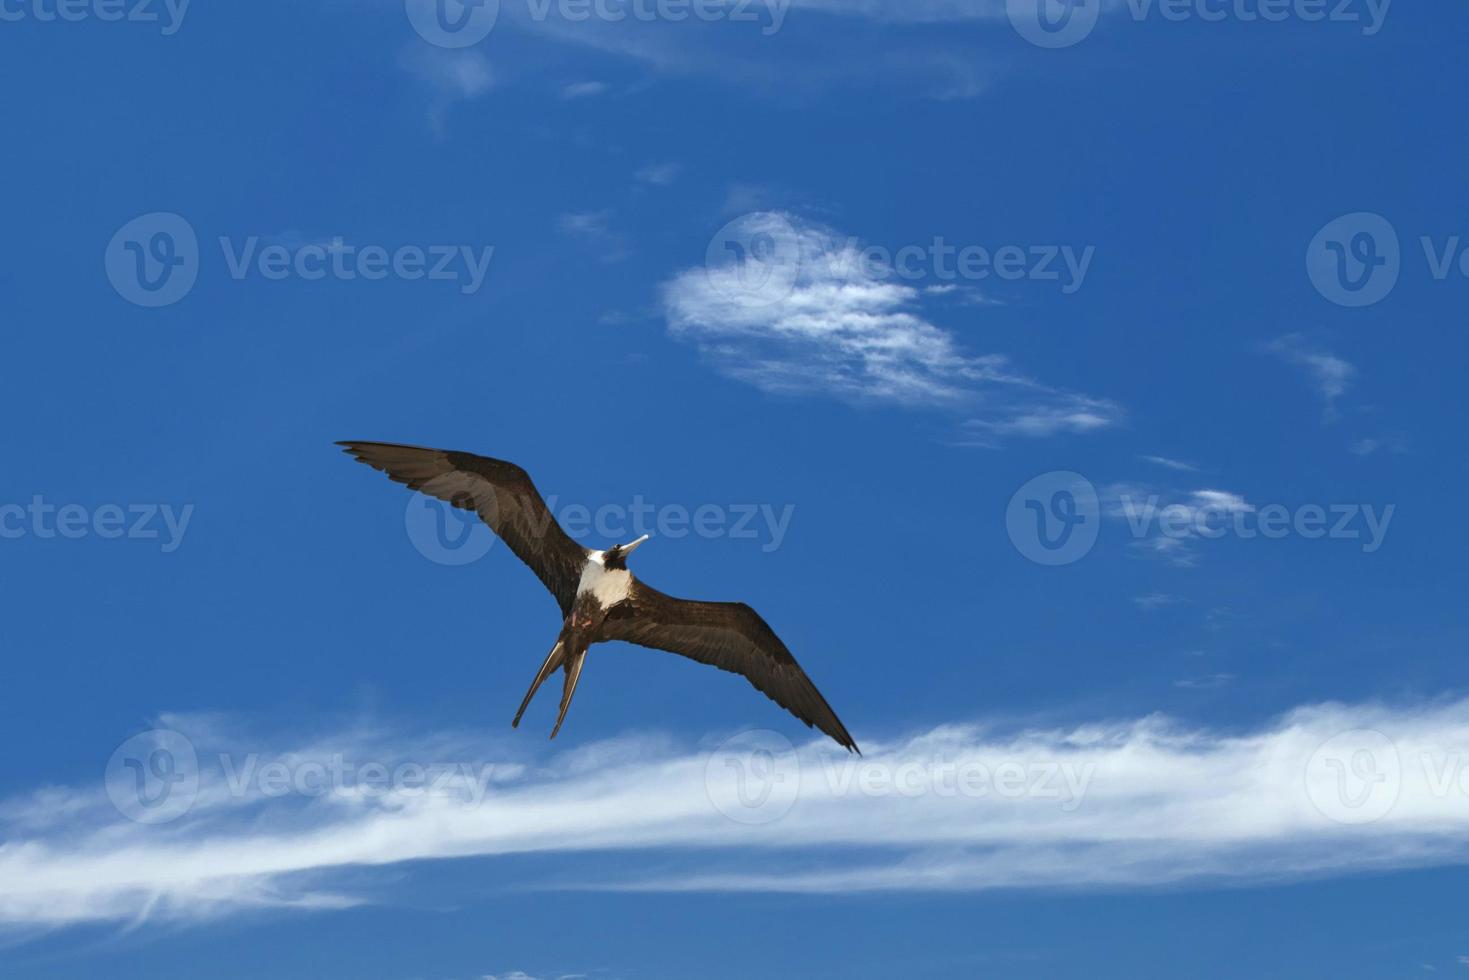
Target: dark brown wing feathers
point(727, 635)
point(503, 496)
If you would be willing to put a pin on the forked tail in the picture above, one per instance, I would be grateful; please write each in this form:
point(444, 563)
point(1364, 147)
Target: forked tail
point(569, 654)
point(553, 660)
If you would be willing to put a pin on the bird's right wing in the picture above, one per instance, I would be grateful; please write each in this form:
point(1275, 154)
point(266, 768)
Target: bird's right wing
point(727, 635)
point(503, 496)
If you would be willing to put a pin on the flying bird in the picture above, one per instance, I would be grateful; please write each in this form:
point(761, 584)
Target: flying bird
point(600, 599)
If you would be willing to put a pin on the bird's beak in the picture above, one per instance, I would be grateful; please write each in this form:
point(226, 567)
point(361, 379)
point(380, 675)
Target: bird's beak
point(629, 548)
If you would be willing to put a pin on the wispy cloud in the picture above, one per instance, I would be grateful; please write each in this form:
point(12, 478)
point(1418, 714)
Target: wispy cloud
point(450, 76)
point(595, 228)
point(1157, 600)
point(1330, 375)
point(1207, 682)
point(735, 43)
point(792, 307)
point(457, 74)
point(1172, 464)
point(583, 90)
point(658, 174)
point(1325, 789)
point(1168, 525)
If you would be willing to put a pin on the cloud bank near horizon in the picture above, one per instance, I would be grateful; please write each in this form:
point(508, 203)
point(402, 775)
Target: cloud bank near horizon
point(1323, 790)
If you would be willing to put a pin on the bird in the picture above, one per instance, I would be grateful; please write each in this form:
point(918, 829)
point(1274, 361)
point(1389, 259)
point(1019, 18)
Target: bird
point(600, 599)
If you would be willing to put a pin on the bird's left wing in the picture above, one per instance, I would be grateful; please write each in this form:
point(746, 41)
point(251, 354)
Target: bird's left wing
point(503, 496)
point(727, 635)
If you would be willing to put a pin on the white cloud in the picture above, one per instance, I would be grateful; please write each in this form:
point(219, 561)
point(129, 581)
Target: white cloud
point(1172, 464)
point(1115, 804)
point(453, 74)
point(595, 228)
point(1157, 600)
point(587, 224)
point(1207, 682)
point(583, 90)
point(1330, 374)
point(659, 174)
point(449, 76)
point(1166, 525)
point(792, 307)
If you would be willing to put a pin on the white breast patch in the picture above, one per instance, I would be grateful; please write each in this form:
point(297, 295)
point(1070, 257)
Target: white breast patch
point(607, 586)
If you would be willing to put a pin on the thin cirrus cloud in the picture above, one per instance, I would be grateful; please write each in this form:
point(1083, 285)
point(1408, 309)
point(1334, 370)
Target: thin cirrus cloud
point(792, 307)
point(1167, 525)
point(1330, 375)
point(739, 44)
point(451, 74)
point(1326, 789)
point(1172, 464)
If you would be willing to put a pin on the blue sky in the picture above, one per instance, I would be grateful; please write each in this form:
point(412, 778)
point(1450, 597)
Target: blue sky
point(1085, 415)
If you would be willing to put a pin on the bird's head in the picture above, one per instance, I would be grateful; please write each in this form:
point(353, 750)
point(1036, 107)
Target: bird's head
point(616, 557)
